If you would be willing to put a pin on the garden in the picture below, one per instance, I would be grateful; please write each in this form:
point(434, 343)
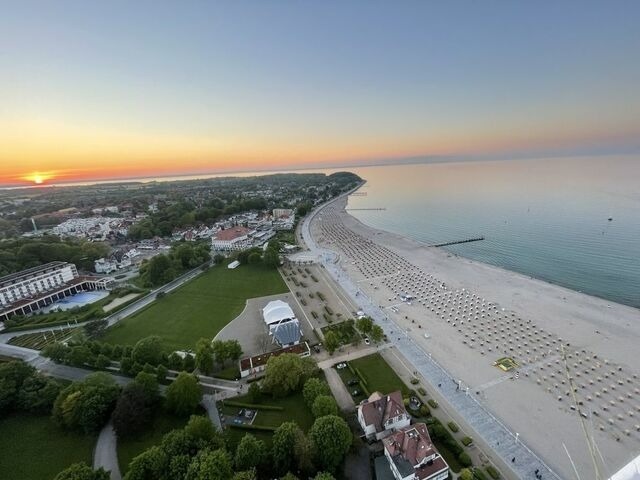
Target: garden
point(201, 308)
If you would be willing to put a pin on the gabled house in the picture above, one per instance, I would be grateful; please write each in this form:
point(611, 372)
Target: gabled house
point(412, 456)
point(381, 415)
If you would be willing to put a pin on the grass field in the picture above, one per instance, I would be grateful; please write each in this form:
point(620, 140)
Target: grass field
point(34, 448)
point(129, 448)
point(200, 308)
point(378, 374)
point(294, 409)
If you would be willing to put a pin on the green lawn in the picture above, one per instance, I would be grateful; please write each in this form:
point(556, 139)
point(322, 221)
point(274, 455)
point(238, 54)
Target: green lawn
point(201, 308)
point(34, 448)
point(378, 374)
point(294, 410)
point(129, 448)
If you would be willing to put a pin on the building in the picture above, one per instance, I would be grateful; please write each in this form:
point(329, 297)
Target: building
point(282, 323)
point(380, 415)
point(258, 363)
point(412, 455)
point(24, 292)
point(283, 218)
point(234, 238)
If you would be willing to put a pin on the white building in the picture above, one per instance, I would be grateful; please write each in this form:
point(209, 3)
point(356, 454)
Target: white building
point(234, 238)
point(27, 291)
point(380, 415)
point(282, 323)
point(412, 455)
point(283, 218)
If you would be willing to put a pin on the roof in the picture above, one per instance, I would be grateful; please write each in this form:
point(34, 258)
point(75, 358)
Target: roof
point(259, 360)
point(411, 449)
point(287, 333)
point(277, 311)
point(231, 233)
point(29, 272)
point(378, 408)
point(631, 471)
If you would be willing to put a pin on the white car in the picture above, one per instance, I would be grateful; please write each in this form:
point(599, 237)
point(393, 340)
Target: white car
point(340, 366)
point(367, 341)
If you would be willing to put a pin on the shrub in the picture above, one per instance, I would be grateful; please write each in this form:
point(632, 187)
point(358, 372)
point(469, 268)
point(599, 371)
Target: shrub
point(424, 410)
point(432, 403)
point(253, 406)
point(453, 427)
point(465, 474)
point(465, 459)
point(321, 296)
point(314, 314)
point(414, 381)
point(466, 441)
point(493, 473)
point(328, 309)
point(422, 391)
point(479, 474)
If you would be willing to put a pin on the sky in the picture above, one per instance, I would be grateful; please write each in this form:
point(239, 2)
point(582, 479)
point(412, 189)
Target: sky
point(96, 90)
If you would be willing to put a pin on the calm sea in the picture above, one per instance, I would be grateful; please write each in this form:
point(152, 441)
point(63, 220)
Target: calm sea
point(545, 218)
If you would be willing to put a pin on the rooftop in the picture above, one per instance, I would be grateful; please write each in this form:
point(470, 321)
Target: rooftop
point(231, 233)
point(378, 408)
point(12, 277)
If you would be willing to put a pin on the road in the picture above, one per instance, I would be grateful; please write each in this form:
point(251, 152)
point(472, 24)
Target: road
point(514, 456)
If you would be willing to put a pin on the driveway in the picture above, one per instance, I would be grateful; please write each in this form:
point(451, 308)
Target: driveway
point(106, 453)
point(340, 392)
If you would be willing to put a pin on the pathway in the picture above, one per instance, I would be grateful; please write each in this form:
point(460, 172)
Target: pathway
point(340, 392)
point(105, 454)
point(209, 403)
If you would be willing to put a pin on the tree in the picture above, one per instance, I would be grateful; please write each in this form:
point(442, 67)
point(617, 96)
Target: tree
point(250, 453)
point(364, 324)
point(82, 471)
point(465, 474)
point(263, 341)
point(287, 373)
point(376, 333)
point(245, 475)
point(331, 438)
point(313, 388)
point(184, 394)
point(87, 404)
point(254, 393)
point(254, 258)
point(290, 448)
point(102, 362)
point(201, 430)
point(156, 269)
point(175, 361)
point(188, 363)
point(56, 352)
point(12, 376)
point(324, 405)
point(133, 410)
point(465, 459)
point(218, 259)
point(161, 373)
point(331, 341)
point(220, 350)
point(204, 356)
point(234, 350)
point(324, 476)
point(148, 350)
point(271, 255)
point(80, 355)
point(210, 465)
point(37, 394)
point(150, 464)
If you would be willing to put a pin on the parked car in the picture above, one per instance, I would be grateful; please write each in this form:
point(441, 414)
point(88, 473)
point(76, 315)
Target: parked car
point(341, 365)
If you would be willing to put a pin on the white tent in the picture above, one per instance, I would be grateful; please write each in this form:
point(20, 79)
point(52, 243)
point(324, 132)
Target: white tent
point(277, 311)
point(630, 471)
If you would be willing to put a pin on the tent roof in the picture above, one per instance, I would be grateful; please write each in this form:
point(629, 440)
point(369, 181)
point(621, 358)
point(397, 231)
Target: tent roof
point(276, 311)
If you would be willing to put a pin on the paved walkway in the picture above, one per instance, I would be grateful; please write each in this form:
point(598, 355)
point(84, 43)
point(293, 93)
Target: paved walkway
point(517, 456)
point(340, 392)
point(105, 454)
point(209, 403)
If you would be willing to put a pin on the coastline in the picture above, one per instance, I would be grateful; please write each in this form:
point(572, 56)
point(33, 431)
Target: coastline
point(607, 329)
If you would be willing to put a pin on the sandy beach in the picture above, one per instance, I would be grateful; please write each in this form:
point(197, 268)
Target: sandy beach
point(576, 354)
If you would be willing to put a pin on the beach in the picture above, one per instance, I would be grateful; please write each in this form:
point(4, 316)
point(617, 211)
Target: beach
point(577, 368)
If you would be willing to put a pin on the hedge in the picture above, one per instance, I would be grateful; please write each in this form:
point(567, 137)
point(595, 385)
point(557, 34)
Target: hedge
point(328, 309)
point(432, 403)
point(321, 296)
point(253, 406)
point(479, 474)
point(453, 427)
point(362, 380)
point(466, 441)
point(465, 459)
point(422, 391)
point(242, 426)
point(314, 314)
point(493, 473)
point(414, 381)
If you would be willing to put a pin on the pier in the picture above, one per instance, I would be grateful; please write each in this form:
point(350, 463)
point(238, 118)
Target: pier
point(468, 240)
point(353, 209)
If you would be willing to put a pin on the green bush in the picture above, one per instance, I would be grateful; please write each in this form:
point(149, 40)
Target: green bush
point(493, 473)
point(242, 426)
point(453, 427)
point(432, 403)
point(422, 391)
point(479, 474)
point(466, 441)
point(328, 309)
point(424, 411)
point(465, 459)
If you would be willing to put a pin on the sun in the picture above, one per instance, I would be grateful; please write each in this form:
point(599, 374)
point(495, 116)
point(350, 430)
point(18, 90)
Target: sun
point(39, 178)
